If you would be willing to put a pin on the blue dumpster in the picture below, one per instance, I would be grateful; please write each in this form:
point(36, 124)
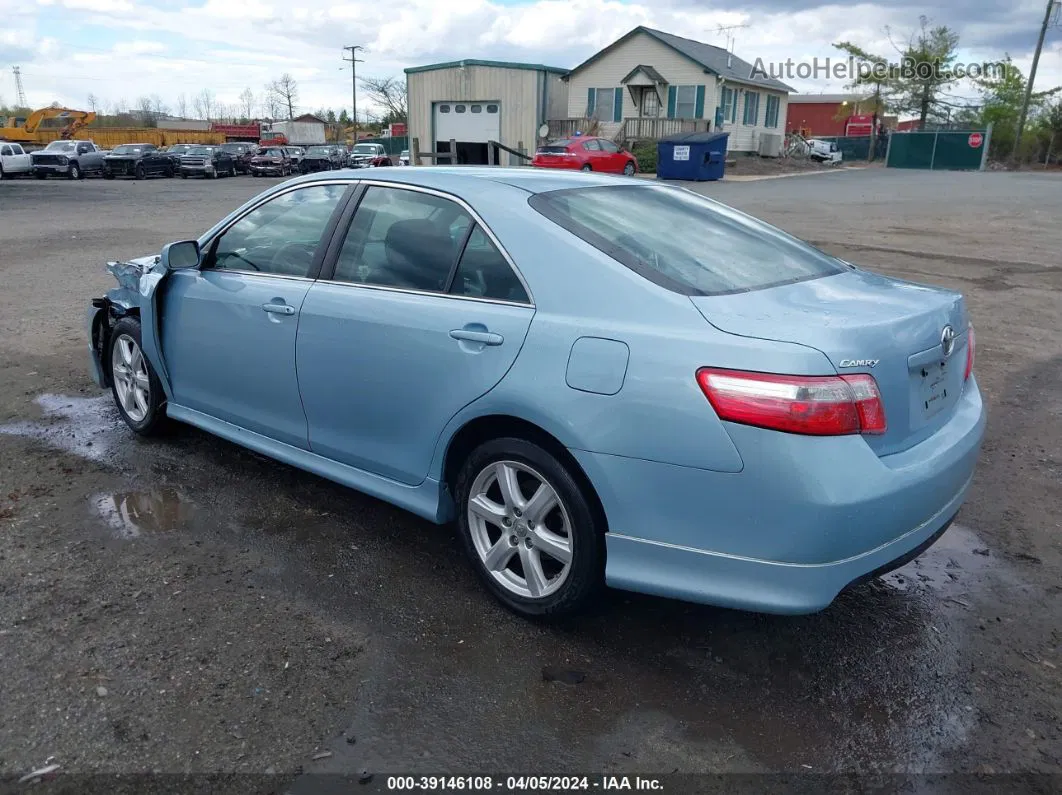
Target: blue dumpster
point(695, 156)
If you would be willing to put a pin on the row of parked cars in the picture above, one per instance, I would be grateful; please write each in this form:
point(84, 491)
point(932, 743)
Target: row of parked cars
point(78, 159)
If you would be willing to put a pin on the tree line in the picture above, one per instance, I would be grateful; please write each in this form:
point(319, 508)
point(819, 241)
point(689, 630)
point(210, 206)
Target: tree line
point(278, 99)
point(925, 94)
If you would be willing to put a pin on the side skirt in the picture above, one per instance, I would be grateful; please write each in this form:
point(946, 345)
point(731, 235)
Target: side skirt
point(425, 500)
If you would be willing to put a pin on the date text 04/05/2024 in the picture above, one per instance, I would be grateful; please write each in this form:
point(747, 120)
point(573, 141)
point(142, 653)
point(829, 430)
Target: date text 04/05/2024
point(522, 783)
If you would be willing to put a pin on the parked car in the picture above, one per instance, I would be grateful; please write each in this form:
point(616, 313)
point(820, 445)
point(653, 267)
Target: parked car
point(403, 159)
point(14, 161)
point(824, 151)
point(295, 154)
point(696, 405)
point(271, 161)
point(71, 159)
point(586, 153)
point(368, 156)
point(207, 161)
point(319, 158)
point(176, 151)
point(137, 160)
point(242, 154)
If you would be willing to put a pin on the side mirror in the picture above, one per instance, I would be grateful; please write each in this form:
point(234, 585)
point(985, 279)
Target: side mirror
point(180, 256)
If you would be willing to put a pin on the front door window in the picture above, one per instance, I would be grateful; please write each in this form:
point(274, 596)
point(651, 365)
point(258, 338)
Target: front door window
point(650, 103)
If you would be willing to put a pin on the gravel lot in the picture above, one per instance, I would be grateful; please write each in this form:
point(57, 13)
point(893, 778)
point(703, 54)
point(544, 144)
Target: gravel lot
point(185, 606)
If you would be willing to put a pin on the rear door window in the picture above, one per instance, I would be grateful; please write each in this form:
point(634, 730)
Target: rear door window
point(683, 241)
point(484, 273)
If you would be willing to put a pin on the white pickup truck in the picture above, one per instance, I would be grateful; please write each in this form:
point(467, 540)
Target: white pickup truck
point(14, 161)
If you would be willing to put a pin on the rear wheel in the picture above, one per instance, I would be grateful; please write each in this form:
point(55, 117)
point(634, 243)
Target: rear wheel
point(137, 390)
point(586, 167)
point(529, 529)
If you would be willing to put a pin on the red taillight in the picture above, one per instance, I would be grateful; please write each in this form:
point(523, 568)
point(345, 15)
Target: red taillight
point(815, 405)
point(970, 344)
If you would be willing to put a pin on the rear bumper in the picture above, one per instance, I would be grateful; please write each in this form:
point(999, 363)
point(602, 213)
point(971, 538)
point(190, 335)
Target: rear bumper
point(573, 165)
point(803, 519)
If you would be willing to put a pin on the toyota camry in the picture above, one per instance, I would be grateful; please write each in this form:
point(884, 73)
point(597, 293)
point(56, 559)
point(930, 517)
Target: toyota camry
point(601, 380)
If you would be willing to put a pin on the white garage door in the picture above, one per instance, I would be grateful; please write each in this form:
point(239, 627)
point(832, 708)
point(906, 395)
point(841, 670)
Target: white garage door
point(468, 122)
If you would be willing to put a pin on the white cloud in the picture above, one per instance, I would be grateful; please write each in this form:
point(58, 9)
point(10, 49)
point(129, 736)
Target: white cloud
point(246, 43)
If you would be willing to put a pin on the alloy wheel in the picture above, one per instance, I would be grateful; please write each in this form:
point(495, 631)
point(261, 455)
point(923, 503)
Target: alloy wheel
point(520, 528)
point(131, 381)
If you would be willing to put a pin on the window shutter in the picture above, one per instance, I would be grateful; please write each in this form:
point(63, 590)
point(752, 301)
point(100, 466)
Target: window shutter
point(671, 90)
point(617, 110)
point(590, 97)
point(698, 111)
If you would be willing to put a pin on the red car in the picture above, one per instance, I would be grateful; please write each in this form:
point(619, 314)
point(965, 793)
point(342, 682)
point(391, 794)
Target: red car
point(586, 153)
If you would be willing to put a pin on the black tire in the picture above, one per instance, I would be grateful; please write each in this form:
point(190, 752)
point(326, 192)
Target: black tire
point(586, 167)
point(629, 168)
point(232, 171)
point(40, 175)
point(140, 173)
point(585, 579)
point(170, 172)
point(74, 172)
point(183, 175)
point(108, 175)
point(154, 419)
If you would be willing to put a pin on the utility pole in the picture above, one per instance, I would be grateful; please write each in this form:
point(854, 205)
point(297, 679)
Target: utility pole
point(19, 90)
point(354, 60)
point(1032, 76)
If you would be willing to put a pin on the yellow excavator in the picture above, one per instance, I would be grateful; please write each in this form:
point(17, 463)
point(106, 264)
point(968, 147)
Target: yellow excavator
point(29, 130)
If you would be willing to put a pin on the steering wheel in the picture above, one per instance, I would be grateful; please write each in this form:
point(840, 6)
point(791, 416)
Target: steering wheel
point(283, 262)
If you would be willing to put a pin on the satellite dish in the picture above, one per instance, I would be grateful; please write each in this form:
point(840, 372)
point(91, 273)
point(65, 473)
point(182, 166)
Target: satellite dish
point(543, 131)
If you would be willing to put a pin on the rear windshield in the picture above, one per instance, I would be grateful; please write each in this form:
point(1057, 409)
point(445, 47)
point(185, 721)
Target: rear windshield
point(683, 241)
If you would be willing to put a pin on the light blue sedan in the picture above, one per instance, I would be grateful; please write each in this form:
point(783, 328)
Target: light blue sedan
point(602, 380)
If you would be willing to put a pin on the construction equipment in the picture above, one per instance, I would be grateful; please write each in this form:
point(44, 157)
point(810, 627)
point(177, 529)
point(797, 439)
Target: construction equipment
point(30, 130)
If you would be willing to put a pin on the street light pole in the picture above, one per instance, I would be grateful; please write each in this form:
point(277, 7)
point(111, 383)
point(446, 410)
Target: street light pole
point(354, 60)
point(1032, 77)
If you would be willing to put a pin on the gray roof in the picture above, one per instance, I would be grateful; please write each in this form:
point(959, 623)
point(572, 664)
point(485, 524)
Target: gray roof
point(714, 59)
point(535, 67)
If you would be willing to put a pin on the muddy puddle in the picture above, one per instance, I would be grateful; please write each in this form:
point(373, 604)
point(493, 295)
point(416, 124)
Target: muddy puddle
point(132, 514)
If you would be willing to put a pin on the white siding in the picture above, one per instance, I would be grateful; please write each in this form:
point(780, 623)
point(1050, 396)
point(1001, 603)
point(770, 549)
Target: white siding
point(609, 70)
point(746, 138)
point(518, 92)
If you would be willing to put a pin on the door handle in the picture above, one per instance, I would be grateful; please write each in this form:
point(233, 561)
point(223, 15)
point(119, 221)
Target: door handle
point(280, 309)
point(485, 337)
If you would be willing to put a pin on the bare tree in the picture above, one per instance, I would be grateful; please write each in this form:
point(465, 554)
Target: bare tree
point(286, 92)
point(270, 103)
point(158, 107)
point(182, 105)
point(204, 104)
point(389, 94)
point(247, 103)
point(94, 102)
point(144, 112)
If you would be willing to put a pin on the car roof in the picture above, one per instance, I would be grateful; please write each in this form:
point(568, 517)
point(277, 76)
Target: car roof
point(460, 178)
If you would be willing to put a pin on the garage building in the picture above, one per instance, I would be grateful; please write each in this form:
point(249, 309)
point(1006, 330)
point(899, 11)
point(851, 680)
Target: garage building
point(473, 102)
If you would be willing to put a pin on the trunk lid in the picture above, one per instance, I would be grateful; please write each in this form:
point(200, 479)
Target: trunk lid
point(865, 323)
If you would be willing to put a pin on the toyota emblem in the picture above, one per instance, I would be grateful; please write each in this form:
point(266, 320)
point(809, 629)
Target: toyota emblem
point(947, 340)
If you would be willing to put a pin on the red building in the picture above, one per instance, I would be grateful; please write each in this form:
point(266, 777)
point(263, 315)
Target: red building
point(820, 114)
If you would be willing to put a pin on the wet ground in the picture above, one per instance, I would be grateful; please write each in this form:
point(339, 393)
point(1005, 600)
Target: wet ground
point(183, 605)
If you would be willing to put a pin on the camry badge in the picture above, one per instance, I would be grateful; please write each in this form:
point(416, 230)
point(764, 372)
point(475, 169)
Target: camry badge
point(859, 362)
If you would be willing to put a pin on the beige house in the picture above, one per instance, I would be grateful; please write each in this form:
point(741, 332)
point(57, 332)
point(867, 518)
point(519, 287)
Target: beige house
point(649, 84)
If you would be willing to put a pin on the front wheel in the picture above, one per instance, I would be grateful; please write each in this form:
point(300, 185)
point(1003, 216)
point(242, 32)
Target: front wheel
point(74, 172)
point(136, 389)
point(140, 171)
point(586, 167)
point(529, 528)
point(628, 169)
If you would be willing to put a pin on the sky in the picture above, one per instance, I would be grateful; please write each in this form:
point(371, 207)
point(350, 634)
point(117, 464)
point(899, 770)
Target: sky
point(120, 50)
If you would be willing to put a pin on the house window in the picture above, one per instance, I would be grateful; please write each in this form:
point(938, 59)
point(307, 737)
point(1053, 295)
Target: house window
point(752, 108)
point(686, 102)
point(650, 102)
point(772, 111)
point(729, 104)
point(605, 103)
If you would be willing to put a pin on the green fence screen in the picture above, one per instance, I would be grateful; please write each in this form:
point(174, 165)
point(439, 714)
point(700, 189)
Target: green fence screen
point(856, 147)
point(941, 150)
point(393, 146)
